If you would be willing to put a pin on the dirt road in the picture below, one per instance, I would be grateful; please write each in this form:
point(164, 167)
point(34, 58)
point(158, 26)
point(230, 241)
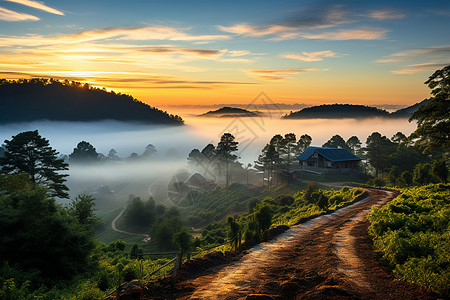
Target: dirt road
point(329, 257)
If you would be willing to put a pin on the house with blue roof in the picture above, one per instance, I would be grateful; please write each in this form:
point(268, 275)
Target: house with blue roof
point(328, 160)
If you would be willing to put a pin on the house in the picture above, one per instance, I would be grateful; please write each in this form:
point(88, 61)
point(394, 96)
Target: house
point(328, 160)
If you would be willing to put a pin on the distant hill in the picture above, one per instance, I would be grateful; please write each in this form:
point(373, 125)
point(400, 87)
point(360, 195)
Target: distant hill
point(42, 99)
point(408, 111)
point(341, 111)
point(231, 112)
point(337, 111)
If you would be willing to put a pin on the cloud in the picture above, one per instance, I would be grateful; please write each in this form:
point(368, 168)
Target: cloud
point(38, 5)
point(412, 69)
point(278, 74)
point(311, 56)
point(238, 52)
point(386, 14)
point(255, 30)
point(12, 16)
point(437, 52)
point(350, 34)
point(130, 34)
point(127, 79)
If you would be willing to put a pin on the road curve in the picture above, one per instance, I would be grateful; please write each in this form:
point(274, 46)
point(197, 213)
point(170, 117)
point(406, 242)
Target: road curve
point(147, 238)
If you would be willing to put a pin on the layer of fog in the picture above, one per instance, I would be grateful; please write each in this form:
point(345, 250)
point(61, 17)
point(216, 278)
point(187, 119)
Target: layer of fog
point(113, 183)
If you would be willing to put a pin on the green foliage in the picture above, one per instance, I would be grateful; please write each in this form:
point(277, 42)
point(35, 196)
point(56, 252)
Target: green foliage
point(440, 170)
point(182, 240)
point(163, 230)
point(84, 152)
point(28, 152)
point(433, 119)
point(141, 214)
point(422, 174)
point(412, 232)
point(41, 238)
point(310, 189)
point(82, 208)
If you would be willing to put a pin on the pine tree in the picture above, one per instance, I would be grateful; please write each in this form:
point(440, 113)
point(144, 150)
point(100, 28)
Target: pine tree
point(28, 152)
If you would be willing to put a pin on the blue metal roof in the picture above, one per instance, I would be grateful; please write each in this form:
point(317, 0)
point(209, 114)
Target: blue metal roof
point(332, 154)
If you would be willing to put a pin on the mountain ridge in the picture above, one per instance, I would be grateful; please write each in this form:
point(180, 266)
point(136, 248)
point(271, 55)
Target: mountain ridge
point(28, 100)
point(352, 111)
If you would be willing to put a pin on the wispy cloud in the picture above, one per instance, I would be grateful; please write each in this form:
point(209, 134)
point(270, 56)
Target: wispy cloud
point(412, 69)
point(437, 52)
point(420, 59)
point(255, 30)
point(38, 5)
point(386, 14)
point(10, 15)
point(278, 74)
point(131, 34)
point(127, 79)
point(238, 52)
point(311, 56)
point(350, 34)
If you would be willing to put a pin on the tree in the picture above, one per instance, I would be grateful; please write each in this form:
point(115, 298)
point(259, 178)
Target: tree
point(195, 158)
point(289, 141)
point(303, 142)
point(378, 151)
point(422, 174)
point(354, 144)
point(336, 142)
point(182, 240)
point(38, 238)
point(224, 151)
point(267, 161)
point(398, 138)
point(440, 170)
point(264, 218)
point(433, 119)
point(82, 208)
point(233, 230)
point(112, 155)
point(84, 152)
point(150, 150)
point(29, 152)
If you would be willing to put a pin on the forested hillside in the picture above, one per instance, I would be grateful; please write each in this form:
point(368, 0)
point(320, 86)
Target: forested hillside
point(42, 99)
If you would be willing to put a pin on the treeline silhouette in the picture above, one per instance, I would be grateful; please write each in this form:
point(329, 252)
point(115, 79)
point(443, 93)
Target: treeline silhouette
point(26, 100)
point(338, 111)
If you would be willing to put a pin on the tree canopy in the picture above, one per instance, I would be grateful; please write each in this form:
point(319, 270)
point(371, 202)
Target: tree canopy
point(30, 153)
point(433, 119)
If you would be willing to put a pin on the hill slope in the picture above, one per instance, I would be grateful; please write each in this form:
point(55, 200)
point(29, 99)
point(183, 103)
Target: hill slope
point(341, 111)
point(337, 111)
point(408, 111)
point(229, 112)
point(42, 99)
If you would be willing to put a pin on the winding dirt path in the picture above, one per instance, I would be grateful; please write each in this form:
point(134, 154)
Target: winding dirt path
point(329, 257)
point(147, 238)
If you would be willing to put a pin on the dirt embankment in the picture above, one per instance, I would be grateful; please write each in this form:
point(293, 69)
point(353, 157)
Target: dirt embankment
point(329, 257)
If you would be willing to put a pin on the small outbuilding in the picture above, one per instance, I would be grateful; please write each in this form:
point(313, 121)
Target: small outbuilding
point(328, 160)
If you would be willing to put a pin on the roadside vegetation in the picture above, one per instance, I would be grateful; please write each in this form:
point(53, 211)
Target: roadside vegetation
point(412, 234)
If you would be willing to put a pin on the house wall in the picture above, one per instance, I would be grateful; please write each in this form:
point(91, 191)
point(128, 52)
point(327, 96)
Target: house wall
point(320, 164)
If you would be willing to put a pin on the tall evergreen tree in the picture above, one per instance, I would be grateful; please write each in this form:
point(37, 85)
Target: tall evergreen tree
point(289, 141)
point(30, 153)
point(303, 142)
point(378, 151)
point(224, 152)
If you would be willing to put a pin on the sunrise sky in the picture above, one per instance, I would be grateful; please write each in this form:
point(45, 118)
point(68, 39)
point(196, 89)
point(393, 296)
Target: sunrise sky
point(208, 52)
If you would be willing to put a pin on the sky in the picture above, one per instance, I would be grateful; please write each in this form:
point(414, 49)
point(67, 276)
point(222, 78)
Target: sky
point(209, 52)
